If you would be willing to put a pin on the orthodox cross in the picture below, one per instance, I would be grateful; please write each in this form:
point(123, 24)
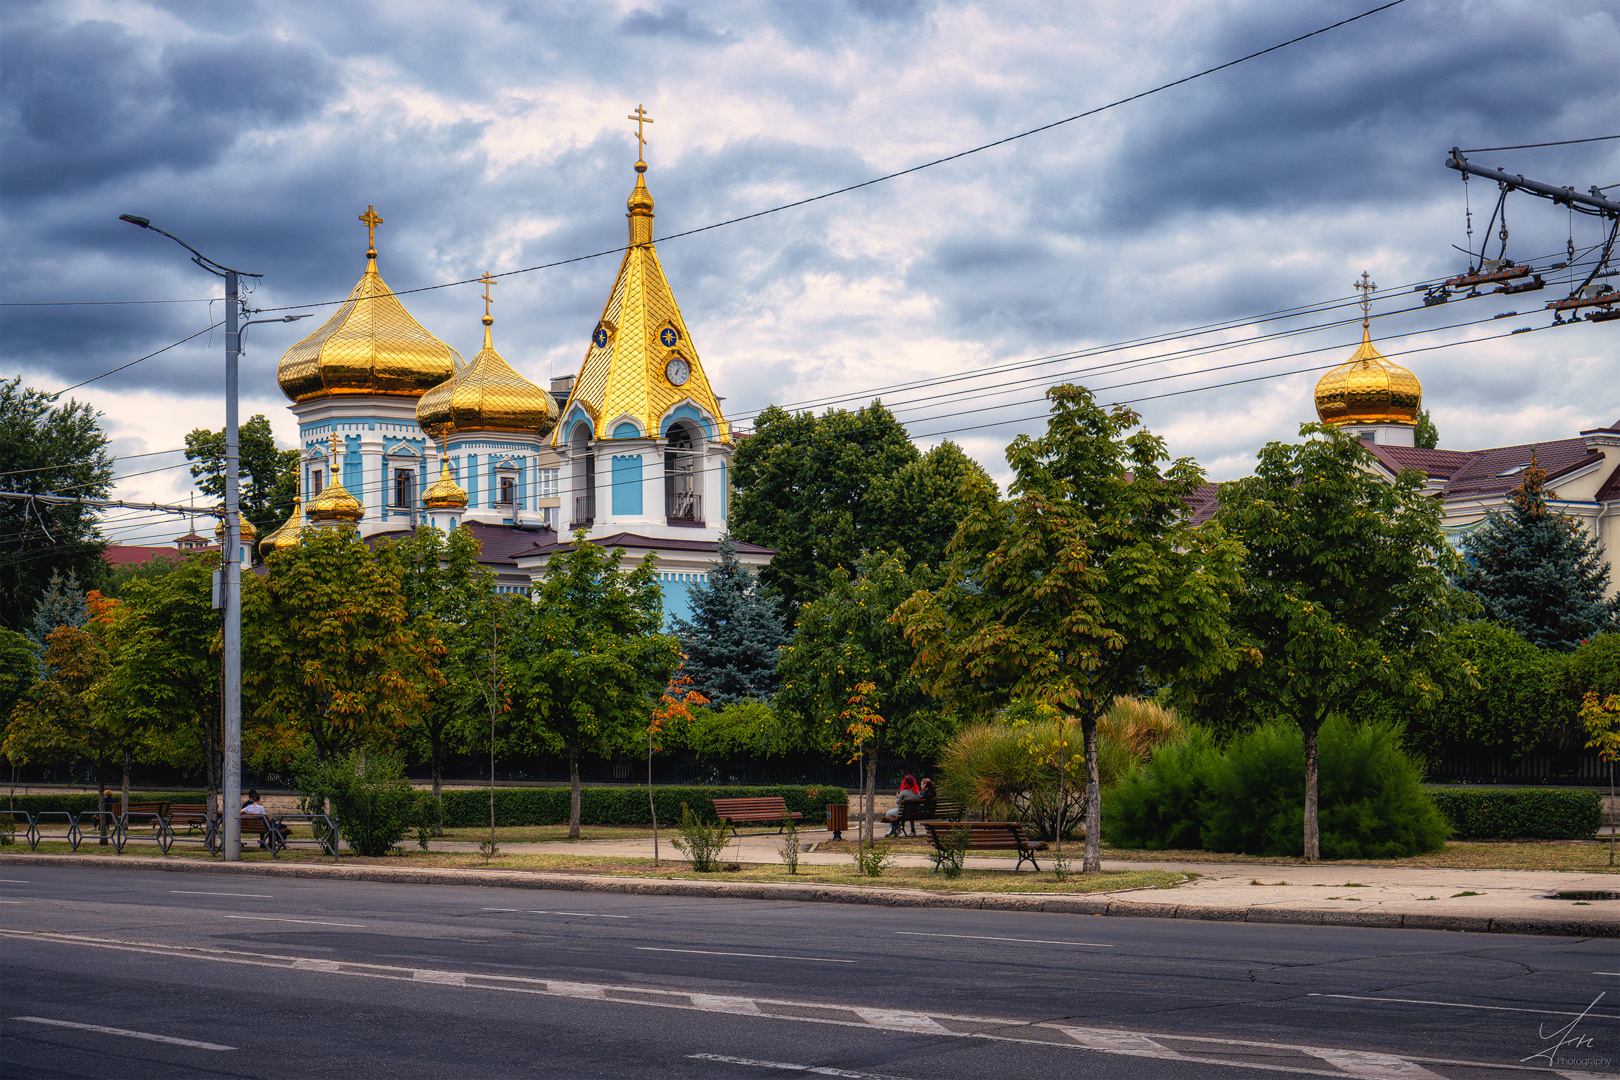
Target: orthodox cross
point(334, 457)
point(372, 221)
point(488, 279)
point(640, 117)
point(1366, 285)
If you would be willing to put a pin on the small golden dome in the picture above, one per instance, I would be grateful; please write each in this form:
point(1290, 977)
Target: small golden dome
point(1368, 389)
point(290, 533)
point(249, 533)
point(370, 346)
point(444, 493)
point(640, 200)
point(336, 504)
point(486, 395)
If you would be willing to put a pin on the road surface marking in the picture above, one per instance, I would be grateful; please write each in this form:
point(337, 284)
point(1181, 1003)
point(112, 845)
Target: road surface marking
point(1606, 972)
point(753, 955)
point(1457, 1005)
point(581, 914)
point(12, 881)
point(127, 1034)
point(1029, 941)
point(192, 892)
point(312, 922)
point(1234, 1053)
point(819, 1070)
point(13, 901)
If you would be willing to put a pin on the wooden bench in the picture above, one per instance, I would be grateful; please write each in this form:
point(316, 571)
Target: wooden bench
point(987, 836)
point(915, 810)
point(770, 808)
point(156, 812)
point(191, 816)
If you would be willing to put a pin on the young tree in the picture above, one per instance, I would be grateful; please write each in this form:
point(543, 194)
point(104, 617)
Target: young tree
point(732, 640)
point(848, 675)
point(47, 449)
point(1346, 586)
point(1087, 585)
point(450, 598)
point(1538, 572)
point(269, 475)
point(586, 658)
point(674, 707)
point(332, 649)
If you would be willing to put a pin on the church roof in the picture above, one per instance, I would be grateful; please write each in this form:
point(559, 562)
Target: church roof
point(1487, 473)
point(486, 395)
point(371, 346)
point(641, 361)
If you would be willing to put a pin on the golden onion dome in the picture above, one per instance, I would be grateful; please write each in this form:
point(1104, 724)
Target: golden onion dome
point(290, 533)
point(444, 493)
point(335, 504)
point(486, 395)
point(248, 532)
point(1368, 389)
point(370, 346)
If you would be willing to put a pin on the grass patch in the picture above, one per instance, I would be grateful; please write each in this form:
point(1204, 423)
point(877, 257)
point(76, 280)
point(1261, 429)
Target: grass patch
point(531, 834)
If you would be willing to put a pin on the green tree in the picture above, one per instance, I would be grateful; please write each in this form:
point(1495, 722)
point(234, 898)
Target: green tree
point(918, 506)
point(17, 670)
point(1538, 572)
point(1086, 585)
point(734, 635)
point(48, 449)
point(1427, 435)
point(450, 598)
point(586, 660)
point(1346, 587)
point(848, 674)
point(269, 476)
point(1514, 701)
point(333, 651)
point(804, 485)
point(61, 604)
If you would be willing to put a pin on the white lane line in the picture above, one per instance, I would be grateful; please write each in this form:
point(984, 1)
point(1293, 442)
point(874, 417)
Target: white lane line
point(752, 955)
point(818, 1070)
point(12, 881)
point(170, 1039)
point(1028, 941)
point(1456, 1005)
point(13, 901)
point(581, 914)
point(1606, 972)
point(193, 892)
point(312, 922)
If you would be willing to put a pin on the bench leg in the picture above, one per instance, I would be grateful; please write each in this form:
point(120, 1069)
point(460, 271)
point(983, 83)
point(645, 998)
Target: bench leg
point(1028, 856)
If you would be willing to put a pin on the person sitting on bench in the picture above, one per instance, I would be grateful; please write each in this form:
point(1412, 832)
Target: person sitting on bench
point(255, 807)
point(908, 792)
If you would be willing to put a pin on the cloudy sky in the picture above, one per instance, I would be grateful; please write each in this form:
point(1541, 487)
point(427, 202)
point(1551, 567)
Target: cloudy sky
point(493, 136)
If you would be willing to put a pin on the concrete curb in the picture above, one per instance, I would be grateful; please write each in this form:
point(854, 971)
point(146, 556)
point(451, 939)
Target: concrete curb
point(838, 894)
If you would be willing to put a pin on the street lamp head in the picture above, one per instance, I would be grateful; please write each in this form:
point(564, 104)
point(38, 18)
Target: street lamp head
point(294, 318)
point(136, 219)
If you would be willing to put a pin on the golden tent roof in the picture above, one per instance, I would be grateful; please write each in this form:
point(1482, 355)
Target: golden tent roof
point(1368, 389)
point(370, 346)
point(486, 395)
point(641, 360)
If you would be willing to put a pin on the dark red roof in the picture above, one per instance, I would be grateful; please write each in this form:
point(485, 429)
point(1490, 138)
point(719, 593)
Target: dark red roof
point(136, 555)
point(1202, 503)
point(1435, 464)
point(501, 543)
point(1487, 473)
point(645, 543)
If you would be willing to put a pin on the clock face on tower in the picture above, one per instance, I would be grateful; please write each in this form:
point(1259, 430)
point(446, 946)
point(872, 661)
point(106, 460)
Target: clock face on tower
point(677, 371)
point(600, 338)
point(668, 336)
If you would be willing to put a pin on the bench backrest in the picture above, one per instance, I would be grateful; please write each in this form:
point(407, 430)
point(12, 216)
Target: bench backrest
point(159, 808)
point(254, 824)
point(188, 812)
point(983, 834)
point(922, 810)
point(743, 806)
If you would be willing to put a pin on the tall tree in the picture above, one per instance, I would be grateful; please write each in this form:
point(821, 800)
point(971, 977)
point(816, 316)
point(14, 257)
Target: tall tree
point(586, 660)
point(269, 475)
point(1427, 436)
point(1087, 585)
point(848, 674)
point(919, 505)
point(732, 640)
point(450, 597)
point(17, 670)
point(804, 485)
point(61, 604)
point(1538, 572)
point(1345, 588)
point(332, 649)
point(48, 449)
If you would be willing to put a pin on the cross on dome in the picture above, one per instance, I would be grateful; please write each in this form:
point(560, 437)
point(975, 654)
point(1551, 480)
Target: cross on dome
point(1366, 285)
point(372, 220)
point(640, 117)
point(488, 279)
point(333, 444)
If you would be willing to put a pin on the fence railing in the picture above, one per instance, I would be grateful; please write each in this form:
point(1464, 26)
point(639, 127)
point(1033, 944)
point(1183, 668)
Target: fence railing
point(584, 510)
point(684, 506)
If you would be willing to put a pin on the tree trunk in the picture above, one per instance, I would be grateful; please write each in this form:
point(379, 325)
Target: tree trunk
point(652, 807)
point(1091, 862)
point(869, 822)
point(1313, 839)
point(573, 793)
point(129, 757)
point(438, 768)
point(101, 800)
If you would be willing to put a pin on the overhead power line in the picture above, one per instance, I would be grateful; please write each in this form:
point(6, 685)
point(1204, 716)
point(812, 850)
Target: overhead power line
point(1536, 145)
point(132, 363)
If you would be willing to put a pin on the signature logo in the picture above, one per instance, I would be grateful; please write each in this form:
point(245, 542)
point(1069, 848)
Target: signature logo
point(1566, 1039)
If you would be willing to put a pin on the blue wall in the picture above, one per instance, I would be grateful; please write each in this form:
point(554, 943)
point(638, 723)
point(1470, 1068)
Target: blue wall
point(627, 484)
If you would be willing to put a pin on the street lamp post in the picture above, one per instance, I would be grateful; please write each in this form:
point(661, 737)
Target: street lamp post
point(231, 691)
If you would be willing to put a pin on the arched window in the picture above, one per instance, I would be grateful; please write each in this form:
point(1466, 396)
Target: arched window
point(683, 499)
point(579, 442)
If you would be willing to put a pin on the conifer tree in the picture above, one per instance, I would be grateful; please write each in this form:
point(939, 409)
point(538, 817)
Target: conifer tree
point(732, 639)
point(62, 604)
point(1536, 571)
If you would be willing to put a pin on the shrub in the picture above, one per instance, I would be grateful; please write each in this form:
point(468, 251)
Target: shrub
point(950, 852)
point(1528, 813)
point(872, 858)
point(701, 840)
point(618, 805)
point(78, 803)
point(369, 795)
point(1162, 804)
point(1139, 727)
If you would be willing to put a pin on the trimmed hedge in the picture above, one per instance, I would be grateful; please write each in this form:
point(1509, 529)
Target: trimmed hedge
point(469, 807)
point(1529, 813)
point(76, 803)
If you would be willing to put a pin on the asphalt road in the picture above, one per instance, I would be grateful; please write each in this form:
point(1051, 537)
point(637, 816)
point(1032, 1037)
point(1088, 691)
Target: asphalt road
point(133, 974)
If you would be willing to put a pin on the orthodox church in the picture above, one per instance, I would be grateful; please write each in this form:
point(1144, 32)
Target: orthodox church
point(1378, 401)
point(398, 431)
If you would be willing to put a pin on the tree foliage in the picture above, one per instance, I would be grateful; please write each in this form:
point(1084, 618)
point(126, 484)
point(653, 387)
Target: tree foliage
point(47, 449)
point(1086, 585)
point(732, 639)
point(1538, 572)
point(1345, 588)
point(586, 659)
point(269, 477)
point(1427, 436)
